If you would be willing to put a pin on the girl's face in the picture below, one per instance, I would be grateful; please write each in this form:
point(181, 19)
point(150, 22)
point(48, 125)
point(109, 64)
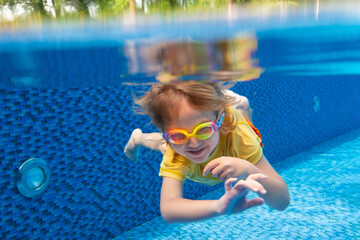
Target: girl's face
point(194, 149)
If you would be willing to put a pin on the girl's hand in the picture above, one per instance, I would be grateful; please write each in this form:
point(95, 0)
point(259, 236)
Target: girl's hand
point(225, 168)
point(234, 200)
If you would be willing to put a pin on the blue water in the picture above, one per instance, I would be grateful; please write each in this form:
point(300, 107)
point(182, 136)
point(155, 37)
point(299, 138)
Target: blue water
point(63, 99)
point(324, 184)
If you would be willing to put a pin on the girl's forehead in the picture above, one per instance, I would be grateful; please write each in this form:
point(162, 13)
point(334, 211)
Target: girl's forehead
point(189, 116)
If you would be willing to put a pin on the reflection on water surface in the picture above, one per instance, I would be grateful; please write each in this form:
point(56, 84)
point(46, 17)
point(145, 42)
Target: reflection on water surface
point(78, 43)
point(14, 13)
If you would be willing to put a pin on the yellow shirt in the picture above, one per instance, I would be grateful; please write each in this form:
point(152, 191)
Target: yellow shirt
point(241, 143)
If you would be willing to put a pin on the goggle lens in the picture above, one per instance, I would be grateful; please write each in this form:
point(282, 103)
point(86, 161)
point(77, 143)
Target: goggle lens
point(202, 131)
point(205, 132)
point(177, 137)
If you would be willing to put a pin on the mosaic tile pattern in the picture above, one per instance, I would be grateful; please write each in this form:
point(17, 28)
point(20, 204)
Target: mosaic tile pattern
point(95, 192)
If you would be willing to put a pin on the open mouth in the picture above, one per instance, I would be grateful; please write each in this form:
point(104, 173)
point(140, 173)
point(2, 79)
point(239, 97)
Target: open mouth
point(197, 152)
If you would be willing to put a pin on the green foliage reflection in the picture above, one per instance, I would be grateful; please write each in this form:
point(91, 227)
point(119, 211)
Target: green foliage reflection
point(69, 9)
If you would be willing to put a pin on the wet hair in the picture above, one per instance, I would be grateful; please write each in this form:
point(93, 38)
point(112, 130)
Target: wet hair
point(163, 101)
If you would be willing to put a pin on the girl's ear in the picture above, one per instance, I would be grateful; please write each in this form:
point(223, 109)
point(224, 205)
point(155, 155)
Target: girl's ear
point(229, 122)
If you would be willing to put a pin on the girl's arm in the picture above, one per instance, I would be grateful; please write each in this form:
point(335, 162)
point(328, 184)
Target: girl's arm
point(175, 208)
point(277, 195)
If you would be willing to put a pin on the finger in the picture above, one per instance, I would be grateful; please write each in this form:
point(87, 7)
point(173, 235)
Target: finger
point(222, 176)
point(228, 184)
point(245, 184)
point(210, 166)
point(254, 202)
point(225, 175)
point(247, 203)
point(258, 185)
point(240, 185)
point(217, 171)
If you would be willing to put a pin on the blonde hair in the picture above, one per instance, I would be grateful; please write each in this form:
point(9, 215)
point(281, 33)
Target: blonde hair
point(163, 101)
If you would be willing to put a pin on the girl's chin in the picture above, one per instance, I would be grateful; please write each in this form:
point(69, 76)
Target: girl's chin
point(198, 161)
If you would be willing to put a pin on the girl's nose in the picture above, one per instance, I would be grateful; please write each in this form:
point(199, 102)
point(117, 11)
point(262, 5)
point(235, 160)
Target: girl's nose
point(193, 142)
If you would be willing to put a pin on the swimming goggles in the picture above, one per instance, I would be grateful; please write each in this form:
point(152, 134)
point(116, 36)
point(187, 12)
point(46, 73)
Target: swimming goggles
point(201, 131)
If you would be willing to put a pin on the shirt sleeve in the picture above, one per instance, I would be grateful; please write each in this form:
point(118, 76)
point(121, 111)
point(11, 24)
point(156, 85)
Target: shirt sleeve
point(247, 144)
point(173, 165)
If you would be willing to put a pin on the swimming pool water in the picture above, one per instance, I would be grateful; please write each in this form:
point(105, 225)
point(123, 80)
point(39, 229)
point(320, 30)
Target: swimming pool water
point(62, 99)
point(324, 185)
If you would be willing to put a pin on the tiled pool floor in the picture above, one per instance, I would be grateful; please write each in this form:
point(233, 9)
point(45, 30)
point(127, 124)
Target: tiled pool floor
point(324, 185)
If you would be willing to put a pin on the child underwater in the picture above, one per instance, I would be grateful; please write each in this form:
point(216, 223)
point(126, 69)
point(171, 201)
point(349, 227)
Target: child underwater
point(208, 137)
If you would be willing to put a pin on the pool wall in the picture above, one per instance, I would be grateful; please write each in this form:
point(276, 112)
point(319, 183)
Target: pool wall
point(95, 192)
